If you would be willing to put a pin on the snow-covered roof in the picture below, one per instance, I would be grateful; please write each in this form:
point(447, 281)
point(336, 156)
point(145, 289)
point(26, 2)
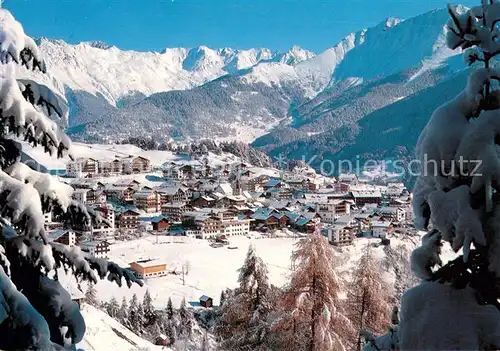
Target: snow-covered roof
point(226, 188)
point(380, 224)
point(150, 263)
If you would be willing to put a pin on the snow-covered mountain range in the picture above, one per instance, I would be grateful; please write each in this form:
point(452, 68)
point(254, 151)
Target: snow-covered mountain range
point(276, 98)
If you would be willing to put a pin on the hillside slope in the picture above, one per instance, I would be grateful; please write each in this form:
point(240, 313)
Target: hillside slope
point(104, 334)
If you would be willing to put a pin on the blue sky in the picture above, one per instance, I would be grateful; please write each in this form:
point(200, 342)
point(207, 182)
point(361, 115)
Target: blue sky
point(156, 24)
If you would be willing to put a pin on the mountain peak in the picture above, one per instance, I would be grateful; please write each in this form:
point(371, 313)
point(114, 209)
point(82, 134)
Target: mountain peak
point(98, 44)
point(295, 55)
point(392, 21)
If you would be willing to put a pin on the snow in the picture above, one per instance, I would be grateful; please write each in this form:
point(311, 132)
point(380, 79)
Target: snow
point(437, 316)
point(110, 151)
point(105, 333)
point(211, 269)
point(214, 269)
point(116, 73)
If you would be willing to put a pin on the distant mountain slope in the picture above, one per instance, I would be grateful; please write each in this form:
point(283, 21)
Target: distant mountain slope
point(113, 73)
point(388, 133)
point(276, 98)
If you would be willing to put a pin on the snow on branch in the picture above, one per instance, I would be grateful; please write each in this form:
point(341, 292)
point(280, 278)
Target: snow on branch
point(43, 96)
point(21, 118)
point(20, 203)
point(112, 271)
point(47, 185)
point(16, 46)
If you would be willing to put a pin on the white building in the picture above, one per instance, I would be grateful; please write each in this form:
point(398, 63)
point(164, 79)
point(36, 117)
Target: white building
point(380, 229)
point(82, 167)
point(348, 178)
point(397, 214)
point(211, 223)
point(99, 249)
point(331, 210)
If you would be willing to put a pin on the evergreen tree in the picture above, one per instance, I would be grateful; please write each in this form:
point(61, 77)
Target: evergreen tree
point(112, 307)
point(170, 332)
point(244, 322)
point(170, 309)
point(222, 298)
point(122, 315)
point(456, 198)
point(133, 315)
point(149, 311)
point(367, 299)
point(91, 296)
point(35, 306)
point(186, 320)
point(140, 319)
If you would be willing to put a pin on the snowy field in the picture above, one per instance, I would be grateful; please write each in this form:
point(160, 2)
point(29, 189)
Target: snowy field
point(211, 269)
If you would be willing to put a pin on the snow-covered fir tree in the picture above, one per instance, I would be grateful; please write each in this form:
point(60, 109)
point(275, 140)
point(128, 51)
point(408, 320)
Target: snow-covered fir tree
point(170, 333)
point(112, 307)
point(122, 314)
point(309, 317)
point(170, 309)
point(222, 298)
point(244, 323)
point(135, 319)
point(455, 307)
point(186, 321)
point(367, 304)
point(36, 311)
point(149, 311)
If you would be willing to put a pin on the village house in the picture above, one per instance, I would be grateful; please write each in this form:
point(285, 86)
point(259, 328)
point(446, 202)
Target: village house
point(348, 178)
point(396, 214)
point(147, 200)
point(231, 200)
point(99, 249)
point(149, 268)
point(333, 209)
point(206, 301)
point(136, 164)
point(341, 187)
point(273, 183)
point(279, 193)
point(89, 196)
point(203, 201)
point(225, 189)
point(62, 236)
point(341, 233)
point(173, 194)
point(254, 183)
point(175, 210)
point(363, 197)
point(380, 228)
point(82, 167)
point(122, 193)
point(128, 220)
point(84, 183)
point(160, 223)
point(217, 222)
point(111, 167)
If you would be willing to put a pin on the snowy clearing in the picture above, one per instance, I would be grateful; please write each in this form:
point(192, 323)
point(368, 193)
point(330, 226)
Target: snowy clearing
point(211, 269)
